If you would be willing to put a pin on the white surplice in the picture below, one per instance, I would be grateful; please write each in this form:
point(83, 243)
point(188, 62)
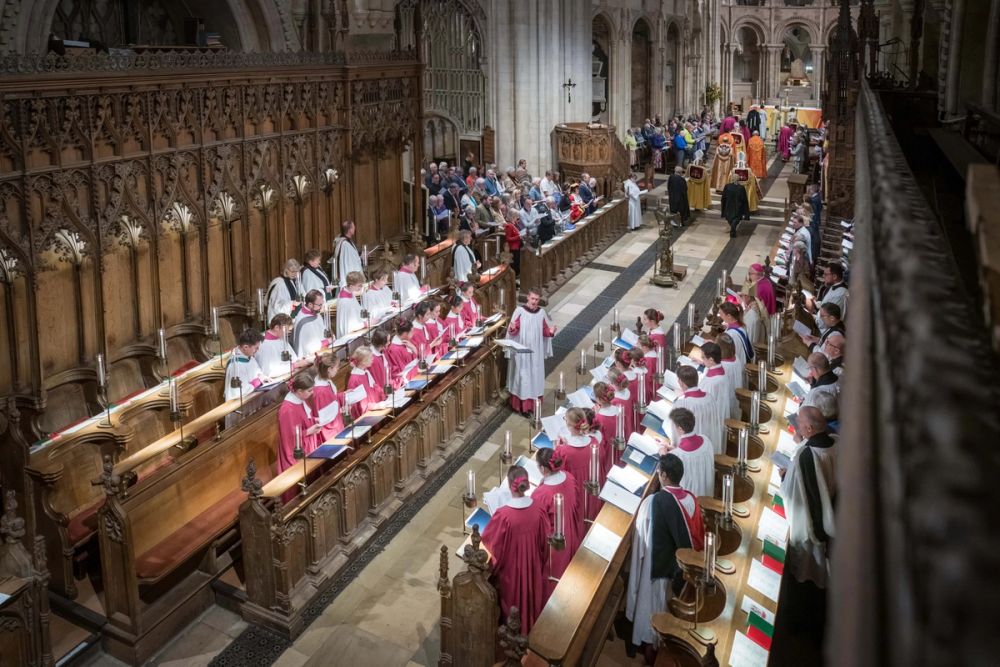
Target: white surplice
point(632, 191)
point(807, 555)
point(646, 596)
point(269, 357)
point(345, 259)
point(708, 418)
point(720, 387)
point(699, 468)
point(462, 262)
point(348, 316)
point(407, 284)
point(308, 333)
point(526, 372)
point(377, 301)
point(314, 278)
point(279, 300)
point(246, 369)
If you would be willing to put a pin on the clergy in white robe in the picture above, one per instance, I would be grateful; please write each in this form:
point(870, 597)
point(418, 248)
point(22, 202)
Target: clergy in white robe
point(276, 356)
point(530, 326)
point(666, 521)
point(284, 294)
point(808, 491)
point(719, 386)
point(463, 258)
point(731, 364)
point(833, 291)
point(313, 277)
point(633, 193)
point(802, 233)
point(695, 451)
point(706, 409)
point(406, 281)
point(377, 299)
point(243, 367)
point(309, 330)
point(346, 257)
point(348, 309)
point(822, 378)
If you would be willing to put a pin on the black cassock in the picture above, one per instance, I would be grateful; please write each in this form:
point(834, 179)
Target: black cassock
point(677, 190)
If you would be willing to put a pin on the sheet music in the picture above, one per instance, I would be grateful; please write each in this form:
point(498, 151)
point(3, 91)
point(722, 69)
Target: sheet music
point(628, 478)
point(801, 329)
point(670, 381)
point(555, 427)
point(697, 340)
point(644, 444)
point(620, 498)
point(512, 344)
point(529, 465)
point(748, 604)
point(801, 367)
point(764, 580)
point(328, 413)
point(600, 373)
point(630, 337)
point(602, 541)
point(580, 399)
point(497, 497)
point(772, 527)
point(746, 652)
point(408, 368)
point(355, 395)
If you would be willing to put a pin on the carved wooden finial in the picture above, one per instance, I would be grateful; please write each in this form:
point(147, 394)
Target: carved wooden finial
point(476, 559)
point(11, 525)
point(111, 482)
point(251, 485)
point(513, 643)
point(444, 584)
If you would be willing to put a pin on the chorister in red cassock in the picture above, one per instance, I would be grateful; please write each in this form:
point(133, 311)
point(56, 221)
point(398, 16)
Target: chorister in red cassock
point(575, 450)
point(361, 376)
point(556, 481)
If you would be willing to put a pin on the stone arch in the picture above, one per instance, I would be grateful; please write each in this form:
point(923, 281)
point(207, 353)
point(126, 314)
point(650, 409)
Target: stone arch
point(602, 63)
point(672, 67)
point(754, 23)
point(259, 24)
point(778, 35)
point(641, 71)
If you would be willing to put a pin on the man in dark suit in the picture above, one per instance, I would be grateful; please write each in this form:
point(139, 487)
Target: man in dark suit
point(677, 191)
point(735, 205)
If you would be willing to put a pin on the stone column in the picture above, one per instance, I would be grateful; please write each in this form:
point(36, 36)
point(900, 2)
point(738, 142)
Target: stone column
point(819, 55)
point(989, 96)
point(774, 70)
point(726, 83)
point(954, 57)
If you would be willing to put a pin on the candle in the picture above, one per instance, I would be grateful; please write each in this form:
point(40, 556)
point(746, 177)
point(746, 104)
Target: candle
point(677, 337)
point(470, 488)
point(583, 360)
point(561, 388)
point(364, 255)
point(161, 347)
point(486, 254)
point(507, 452)
point(498, 246)
point(298, 441)
point(718, 286)
point(709, 555)
point(385, 366)
point(595, 464)
point(762, 376)
point(502, 295)
point(659, 361)
point(423, 268)
point(600, 336)
point(538, 414)
point(616, 317)
point(326, 316)
point(558, 523)
point(755, 409)
point(620, 424)
point(102, 372)
point(174, 399)
point(642, 389)
point(260, 302)
point(725, 281)
point(215, 321)
point(727, 495)
point(741, 452)
point(770, 346)
point(690, 317)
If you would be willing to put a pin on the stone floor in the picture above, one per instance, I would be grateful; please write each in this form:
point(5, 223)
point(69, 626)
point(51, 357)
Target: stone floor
point(388, 616)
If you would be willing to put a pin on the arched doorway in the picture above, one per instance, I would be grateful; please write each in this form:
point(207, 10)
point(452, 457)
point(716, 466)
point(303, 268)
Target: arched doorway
point(747, 63)
point(642, 55)
point(796, 64)
point(601, 64)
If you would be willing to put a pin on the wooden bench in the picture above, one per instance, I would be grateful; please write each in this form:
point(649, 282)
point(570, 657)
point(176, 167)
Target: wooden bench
point(163, 543)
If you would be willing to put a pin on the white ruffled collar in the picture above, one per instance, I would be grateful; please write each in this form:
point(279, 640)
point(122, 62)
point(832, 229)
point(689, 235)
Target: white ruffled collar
point(578, 440)
point(521, 503)
point(555, 478)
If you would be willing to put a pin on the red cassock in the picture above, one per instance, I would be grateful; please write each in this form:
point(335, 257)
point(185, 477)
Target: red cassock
point(399, 355)
point(434, 329)
point(324, 393)
point(544, 496)
point(628, 409)
point(420, 339)
point(658, 337)
point(470, 313)
point(517, 539)
point(606, 424)
point(577, 465)
point(649, 359)
point(293, 412)
point(379, 369)
point(360, 378)
point(454, 325)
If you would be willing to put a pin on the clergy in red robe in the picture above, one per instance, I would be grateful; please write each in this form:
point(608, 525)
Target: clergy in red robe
point(361, 376)
point(650, 320)
point(575, 451)
point(556, 481)
point(325, 393)
point(401, 352)
point(296, 416)
point(517, 540)
point(471, 312)
point(785, 142)
point(380, 363)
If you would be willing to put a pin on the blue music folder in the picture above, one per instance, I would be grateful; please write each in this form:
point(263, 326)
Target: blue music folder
point(542, 441)
point(650, 420)
point(328, 452)
point(478, 518)
point(414, 385)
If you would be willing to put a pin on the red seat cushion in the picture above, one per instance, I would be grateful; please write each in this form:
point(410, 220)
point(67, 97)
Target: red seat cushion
point(83, 524)
point(190, 538)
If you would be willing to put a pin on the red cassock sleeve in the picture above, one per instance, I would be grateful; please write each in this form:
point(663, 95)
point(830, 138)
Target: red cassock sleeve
point(515, 327)
point(546, 331)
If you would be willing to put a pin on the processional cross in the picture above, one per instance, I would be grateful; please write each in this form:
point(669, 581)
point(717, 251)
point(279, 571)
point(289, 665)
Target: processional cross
point(569, 86)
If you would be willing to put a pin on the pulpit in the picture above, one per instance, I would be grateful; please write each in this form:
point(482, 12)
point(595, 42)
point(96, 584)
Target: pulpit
point(593, 148)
